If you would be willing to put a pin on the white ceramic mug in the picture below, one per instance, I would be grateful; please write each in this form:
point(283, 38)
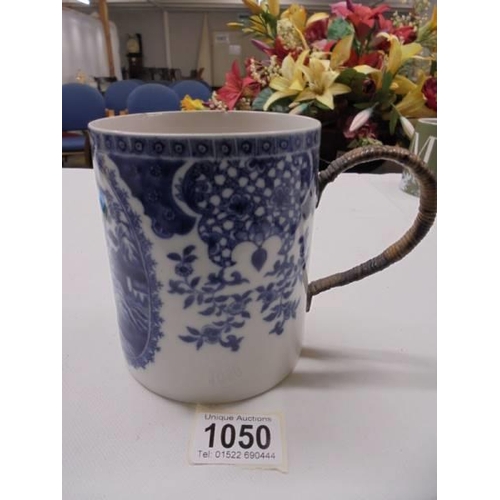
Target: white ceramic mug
point(208, 221)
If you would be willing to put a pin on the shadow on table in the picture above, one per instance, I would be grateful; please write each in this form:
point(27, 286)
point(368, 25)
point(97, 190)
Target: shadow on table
point(364, 368)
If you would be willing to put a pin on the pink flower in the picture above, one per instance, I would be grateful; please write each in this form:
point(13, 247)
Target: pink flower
point(369, 130)
point(262, 46)
point(340, 9)
point(279, 50)
point(324, 45)
point(237, 87)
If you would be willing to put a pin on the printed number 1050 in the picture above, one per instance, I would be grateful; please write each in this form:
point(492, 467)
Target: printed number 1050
point(247, 437)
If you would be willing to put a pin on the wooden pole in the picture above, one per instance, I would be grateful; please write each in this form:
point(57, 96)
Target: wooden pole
point(103, 14)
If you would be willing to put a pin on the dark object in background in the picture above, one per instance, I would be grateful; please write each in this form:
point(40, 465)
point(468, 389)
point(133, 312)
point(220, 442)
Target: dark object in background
point(135, 56)
point(103, 82)
point(334, 144)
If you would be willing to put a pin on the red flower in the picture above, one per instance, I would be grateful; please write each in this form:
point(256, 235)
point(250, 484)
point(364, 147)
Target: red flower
point(279, 50)
point(430, 91)
point(237, 87)
point(406, 34)
point(363, 18)
point(374, 59)
point(369, 87)
point(316, 31)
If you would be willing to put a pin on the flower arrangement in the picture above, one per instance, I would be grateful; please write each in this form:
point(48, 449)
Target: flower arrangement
point(352, 67)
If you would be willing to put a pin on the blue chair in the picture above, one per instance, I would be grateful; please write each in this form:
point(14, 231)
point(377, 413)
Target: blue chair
point(117, 94)
point(81, 104)
point(152, 97)
point(194, 88)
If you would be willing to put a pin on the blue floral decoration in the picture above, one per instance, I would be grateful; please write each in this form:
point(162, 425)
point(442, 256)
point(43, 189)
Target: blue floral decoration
point(228, 311)
point(211, 298)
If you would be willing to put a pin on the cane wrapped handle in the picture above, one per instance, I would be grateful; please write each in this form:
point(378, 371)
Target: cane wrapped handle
point(423, 222)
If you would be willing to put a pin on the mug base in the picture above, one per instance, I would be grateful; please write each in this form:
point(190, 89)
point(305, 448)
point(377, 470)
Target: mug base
point(219, 399)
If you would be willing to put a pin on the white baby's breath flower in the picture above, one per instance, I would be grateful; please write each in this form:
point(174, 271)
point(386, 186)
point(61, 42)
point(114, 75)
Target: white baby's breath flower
point(289, 34)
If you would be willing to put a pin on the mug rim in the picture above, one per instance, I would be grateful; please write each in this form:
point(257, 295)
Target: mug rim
point(108, 125)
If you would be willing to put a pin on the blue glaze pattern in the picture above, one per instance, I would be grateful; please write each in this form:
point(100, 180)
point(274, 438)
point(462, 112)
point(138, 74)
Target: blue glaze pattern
point(219, 194)
point(247, 201)
point(151, 182)
point(229, 311)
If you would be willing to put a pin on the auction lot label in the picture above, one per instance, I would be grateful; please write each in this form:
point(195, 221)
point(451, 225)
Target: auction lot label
point(228, 438)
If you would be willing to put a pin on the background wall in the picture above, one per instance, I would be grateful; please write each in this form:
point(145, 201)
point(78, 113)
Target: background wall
point(84, 46)
point(149, 23)
point(185, 35)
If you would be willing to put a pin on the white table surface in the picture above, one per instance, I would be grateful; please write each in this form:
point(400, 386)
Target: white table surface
point(360, 407)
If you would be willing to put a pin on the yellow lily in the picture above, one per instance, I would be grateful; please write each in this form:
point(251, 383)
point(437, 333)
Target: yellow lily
point(321, 83)
point(399, 54)
point(190, 104)
point(290, 82)
point(402, 85)
point(413, 103)
point(297, 15)
point(317, 17)
point(366, 70)
point(254, 7)
point(274, 7)
point(341, 52)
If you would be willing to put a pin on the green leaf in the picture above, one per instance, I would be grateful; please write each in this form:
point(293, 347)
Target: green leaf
point(347, 76)
point(393, 120)
point(261, 99)
point(355, 80)
point(320, 105)
point(386, 82)
point(271, 22)
point(281, 106)
point(363, 105)
point(433, 69)
point(339, 28)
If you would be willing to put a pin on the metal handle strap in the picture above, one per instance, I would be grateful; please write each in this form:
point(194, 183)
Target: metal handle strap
point(423, 222)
